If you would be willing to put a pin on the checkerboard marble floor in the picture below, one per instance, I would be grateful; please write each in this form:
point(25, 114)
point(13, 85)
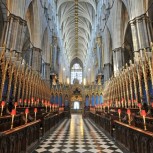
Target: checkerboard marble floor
point(77, 135)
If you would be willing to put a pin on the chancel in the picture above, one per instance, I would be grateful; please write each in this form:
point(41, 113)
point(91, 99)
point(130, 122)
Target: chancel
point(76, 76)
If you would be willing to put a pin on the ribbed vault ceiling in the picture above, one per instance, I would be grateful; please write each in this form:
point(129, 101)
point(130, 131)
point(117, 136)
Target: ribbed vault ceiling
point(76, 18)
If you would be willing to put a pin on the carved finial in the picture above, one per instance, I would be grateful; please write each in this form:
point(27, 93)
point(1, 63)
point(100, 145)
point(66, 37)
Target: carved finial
point(126, 65)
point(11, 53)
point(146, 55)
point(2, 53)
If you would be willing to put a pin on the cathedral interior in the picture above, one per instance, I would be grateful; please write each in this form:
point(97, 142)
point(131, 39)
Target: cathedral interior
point(76, 76)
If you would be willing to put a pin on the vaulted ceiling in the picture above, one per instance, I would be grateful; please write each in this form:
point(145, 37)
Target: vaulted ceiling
point(76, 21)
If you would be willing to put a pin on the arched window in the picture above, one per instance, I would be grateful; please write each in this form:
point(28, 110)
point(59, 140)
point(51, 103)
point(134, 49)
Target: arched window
point(76, 105)
point(76, 73)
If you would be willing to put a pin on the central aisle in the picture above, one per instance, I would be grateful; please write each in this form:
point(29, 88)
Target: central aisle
point(77, 135)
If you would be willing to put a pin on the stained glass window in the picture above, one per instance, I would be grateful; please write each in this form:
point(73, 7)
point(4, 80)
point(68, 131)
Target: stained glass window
point(76, 73)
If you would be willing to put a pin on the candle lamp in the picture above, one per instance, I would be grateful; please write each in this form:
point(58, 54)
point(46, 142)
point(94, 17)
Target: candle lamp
point(32, 99)
point(143, 113)
point(26, 113)
point(119, 114)
point(108, 108)
point(15, 105)
point(25, 103)
point(104, 107)
point(2, 105)
point(20, 102)
point(35, 111)
point(13, 113)
point(35, 103)
point(129, 115)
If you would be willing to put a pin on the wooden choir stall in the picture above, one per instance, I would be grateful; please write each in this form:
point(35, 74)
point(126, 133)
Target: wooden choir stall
point(127, 112)
point(26, 113)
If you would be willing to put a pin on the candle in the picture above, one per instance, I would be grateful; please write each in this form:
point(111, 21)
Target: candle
point(119, 113)
point(26, 112)
point(35, 111)
point(135, 102)
point(2, 105)
point(25, 102)
point(152, 104)
point(104, 107)
point(139, 105)
point(13, 113)
point(50, 107)
point(32, 99)
point(35, 103)
point(15, 105)
point(129, 115)
point(143, 113)
point(108, 108)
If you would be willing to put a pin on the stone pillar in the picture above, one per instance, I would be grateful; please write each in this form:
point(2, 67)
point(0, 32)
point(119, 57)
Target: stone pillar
point(36, 59)
point(118, 59)
point(141, 33)
point(54, 51)
point(14, 33)
point(99, 52)
point(47, 73)
point(107, 71)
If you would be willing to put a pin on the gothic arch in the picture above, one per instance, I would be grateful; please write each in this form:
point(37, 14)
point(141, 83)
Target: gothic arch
point(45, 46)
point(127, 43)
point(150, 12)
point(32, 17)
point(107, 40)
point(76, 60)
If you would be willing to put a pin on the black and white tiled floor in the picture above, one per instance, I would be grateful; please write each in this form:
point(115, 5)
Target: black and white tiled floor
point(77, 135)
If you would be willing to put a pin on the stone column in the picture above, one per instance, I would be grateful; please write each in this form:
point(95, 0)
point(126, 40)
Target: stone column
point(14, 33)
point(36, 59)
point(99, 52)
point(54, 51)
point(47, 73)
point(107, 71)
point(141, 33)
point(118, 59)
